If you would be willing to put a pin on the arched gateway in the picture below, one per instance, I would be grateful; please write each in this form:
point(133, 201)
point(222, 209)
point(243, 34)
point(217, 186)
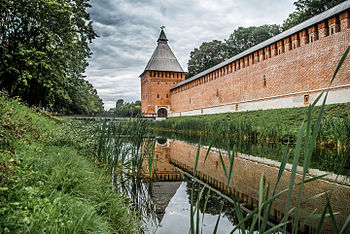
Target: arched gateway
point(162, 112)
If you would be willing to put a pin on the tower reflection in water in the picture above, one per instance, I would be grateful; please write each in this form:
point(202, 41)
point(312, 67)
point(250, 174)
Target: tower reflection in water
point(170, 192)
point(166, 178)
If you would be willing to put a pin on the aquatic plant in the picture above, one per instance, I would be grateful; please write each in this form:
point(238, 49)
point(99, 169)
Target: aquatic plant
point(123, 145)
point(140, 195)
point(258, 218)
point(277, 125)
point(148, 153)
point(335, 132)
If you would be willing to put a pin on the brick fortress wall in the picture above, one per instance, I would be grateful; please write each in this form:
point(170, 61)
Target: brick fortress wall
point(287, 73)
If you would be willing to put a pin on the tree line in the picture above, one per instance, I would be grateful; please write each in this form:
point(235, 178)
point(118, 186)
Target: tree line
point(44, 50)
point(43, 54)
point(212, 53)
point(124, 109)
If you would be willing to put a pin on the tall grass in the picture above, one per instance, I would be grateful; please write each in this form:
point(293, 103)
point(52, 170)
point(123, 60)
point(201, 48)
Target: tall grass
point(140, 194)
point(279, 125)
point(48, 182)
point(126, 151)
point(123, 146)
point(258, 218)
point(335, 132)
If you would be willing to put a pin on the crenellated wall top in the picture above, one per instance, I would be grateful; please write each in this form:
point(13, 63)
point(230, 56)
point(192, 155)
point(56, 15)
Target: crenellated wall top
point(309, 29)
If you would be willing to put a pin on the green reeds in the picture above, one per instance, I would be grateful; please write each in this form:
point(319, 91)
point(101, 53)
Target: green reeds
point(277, 125)
point(335, 132)
point(123, 145)
point(148, 152)
point(258, 218)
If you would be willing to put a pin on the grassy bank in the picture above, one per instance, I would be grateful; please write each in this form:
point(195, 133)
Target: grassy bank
point(268, 125)
point(49, 181)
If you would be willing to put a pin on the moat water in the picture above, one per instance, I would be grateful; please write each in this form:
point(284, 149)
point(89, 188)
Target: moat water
point(165, 202)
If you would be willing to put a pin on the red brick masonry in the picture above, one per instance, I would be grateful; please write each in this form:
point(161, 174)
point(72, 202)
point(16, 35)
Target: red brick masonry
point(301, 63)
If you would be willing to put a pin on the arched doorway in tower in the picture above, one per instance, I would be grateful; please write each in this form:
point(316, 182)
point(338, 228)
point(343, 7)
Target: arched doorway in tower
point(162, 112)
point(162, 141)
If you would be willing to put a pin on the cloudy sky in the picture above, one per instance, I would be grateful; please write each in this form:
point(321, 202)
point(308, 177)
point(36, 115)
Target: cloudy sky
point(128, 31)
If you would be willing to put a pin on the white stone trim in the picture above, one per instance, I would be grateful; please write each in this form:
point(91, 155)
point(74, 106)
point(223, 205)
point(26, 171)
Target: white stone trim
point(338, 94)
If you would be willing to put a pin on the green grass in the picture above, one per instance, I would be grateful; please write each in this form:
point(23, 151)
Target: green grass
point(325, 159)
point(267, 125)
point(49, 182)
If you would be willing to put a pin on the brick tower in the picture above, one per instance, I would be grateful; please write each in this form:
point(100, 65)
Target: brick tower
point(162, 73)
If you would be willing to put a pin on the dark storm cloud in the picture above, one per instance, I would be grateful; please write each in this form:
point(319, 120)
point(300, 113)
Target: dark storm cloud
point(128, 30)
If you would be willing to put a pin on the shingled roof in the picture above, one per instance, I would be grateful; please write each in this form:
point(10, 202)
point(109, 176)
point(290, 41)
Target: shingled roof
point(163, 59)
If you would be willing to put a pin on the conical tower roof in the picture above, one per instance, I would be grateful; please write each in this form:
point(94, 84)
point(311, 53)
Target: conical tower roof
point(162, 36)
point(163, 59)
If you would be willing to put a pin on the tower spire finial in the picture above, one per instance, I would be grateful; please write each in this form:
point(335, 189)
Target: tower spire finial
point(162, 36)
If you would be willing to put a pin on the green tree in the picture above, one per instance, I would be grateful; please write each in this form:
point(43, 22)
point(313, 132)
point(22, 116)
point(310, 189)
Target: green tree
point(119, 108)
point(125, 109)
point(212, 53)
point(305, 9)
point(43, 49)
point(207, 55)
point(244, 38)
point(85, 99)
point(119, 102)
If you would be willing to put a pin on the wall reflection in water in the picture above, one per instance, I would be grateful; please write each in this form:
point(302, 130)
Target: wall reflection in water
point(170, 193)
point(167, 197)
point(247, 173)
